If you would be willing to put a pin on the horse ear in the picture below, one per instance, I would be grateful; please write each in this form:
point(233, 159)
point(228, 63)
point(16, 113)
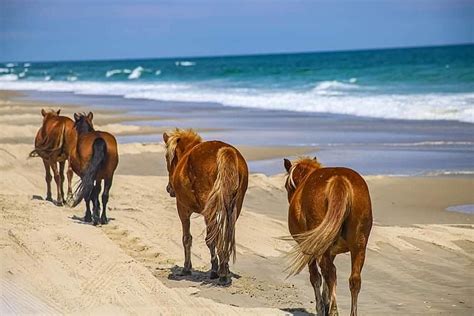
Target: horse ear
point(315, 158)
point(76, 117)
point(165, 137)
point(58, 111)
point(287, 164)
point(43, 112)
point(90, 116)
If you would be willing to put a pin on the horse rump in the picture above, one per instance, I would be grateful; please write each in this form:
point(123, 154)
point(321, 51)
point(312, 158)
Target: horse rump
point(314, 243)
point(99, 152)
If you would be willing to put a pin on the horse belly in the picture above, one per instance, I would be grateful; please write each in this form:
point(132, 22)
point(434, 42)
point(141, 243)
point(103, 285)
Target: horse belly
point(340, 246)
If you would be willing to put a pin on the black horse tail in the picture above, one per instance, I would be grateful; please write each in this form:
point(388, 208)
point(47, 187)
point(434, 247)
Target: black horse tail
point(84, 190)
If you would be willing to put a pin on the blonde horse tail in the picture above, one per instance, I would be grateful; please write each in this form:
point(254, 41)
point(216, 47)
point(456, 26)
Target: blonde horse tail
point(314, 243)
point(48, 146)
point(220, 206)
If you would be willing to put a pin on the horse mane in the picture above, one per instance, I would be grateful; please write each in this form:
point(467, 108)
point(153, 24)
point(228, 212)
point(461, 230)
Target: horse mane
point(188, 135)
point(306, 162)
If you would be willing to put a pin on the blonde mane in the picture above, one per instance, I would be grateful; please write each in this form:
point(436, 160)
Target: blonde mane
point(306, 161)
point(188, 135)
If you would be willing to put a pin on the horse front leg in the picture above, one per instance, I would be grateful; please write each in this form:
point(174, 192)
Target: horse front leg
point(212, 249)
point(184, 216)
point(48, 179)
point(57, 179)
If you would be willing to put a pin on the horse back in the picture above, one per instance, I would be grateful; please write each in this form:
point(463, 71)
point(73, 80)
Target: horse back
point(197, 172)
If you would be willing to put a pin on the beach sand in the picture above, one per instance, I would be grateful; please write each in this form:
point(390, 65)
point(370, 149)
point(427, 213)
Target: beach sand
point(420, 258)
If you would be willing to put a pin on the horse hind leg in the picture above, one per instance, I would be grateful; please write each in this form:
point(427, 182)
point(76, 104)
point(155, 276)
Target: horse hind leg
point(95, 201)
point(212, 250)
point(357, 260)
point(105, 200)
point(315, 278)
point(328, 269)
point(57, 179)
point(48, 179)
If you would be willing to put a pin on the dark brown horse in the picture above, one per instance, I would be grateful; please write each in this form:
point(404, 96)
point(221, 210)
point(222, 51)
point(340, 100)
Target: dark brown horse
point(209, 178)
point(94, 158)
point(52, 144)
point(330, 213)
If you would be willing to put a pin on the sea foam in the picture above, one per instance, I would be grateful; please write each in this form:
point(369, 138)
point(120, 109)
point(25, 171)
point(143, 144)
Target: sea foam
point(136, 73)
point(430, 106)
point(9, 77)
point(185, 63)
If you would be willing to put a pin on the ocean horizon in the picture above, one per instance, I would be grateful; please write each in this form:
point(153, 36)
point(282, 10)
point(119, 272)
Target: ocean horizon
point(426, 83)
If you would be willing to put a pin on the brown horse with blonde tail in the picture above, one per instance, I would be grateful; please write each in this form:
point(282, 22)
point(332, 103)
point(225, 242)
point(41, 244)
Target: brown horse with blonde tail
point(52, 144)
point(209, 178)
point(330, 213)
point(94, 158)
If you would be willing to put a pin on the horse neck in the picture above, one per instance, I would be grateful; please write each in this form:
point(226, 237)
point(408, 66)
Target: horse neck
point(73, 151)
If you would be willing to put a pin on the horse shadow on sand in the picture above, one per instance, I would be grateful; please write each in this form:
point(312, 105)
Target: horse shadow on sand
point(197, 276)
point(80, 220)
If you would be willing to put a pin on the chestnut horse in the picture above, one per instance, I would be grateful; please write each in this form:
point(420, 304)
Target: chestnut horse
point(209, 178)
point(330, 213)
point(52, 145)
point(94, 158)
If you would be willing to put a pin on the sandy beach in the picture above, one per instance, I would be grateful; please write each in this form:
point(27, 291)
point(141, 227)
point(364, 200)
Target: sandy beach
point(420, 258)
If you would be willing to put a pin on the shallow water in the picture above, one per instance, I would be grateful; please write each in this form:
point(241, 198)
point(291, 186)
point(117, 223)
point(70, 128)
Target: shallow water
point(466, 208)
point(371, 146)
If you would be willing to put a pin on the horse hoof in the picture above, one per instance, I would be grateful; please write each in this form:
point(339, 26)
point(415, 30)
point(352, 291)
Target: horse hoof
point(87, 219)
point(224, 281)
point(213, 275)
point(104, 221)
point(49, 199)
point(185, 272)
point(95, 223)
point(59, 203)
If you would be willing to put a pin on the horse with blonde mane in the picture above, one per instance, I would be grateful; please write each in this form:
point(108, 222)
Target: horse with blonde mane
point(209, 178)
point(94, 158)
point(330, 213)
point(52, 144)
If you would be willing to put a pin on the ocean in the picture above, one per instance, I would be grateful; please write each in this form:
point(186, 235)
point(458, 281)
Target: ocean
point(432, 83)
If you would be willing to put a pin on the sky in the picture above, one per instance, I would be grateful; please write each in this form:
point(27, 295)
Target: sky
point(36, 30)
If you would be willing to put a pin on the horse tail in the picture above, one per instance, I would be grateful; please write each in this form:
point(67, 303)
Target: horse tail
point(315, 242)
point(220, 205)
point(99, 151)
point(49, 145)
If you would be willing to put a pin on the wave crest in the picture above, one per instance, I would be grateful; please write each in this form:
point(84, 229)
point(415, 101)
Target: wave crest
point(136, 73)
point(430, 106)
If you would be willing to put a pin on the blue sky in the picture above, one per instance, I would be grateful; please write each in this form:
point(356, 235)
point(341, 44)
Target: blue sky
point(100, 29)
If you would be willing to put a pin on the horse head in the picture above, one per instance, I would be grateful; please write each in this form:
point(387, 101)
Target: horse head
point(83, 122)
point(177, 142)
point(297, 171)
point(47, 114)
